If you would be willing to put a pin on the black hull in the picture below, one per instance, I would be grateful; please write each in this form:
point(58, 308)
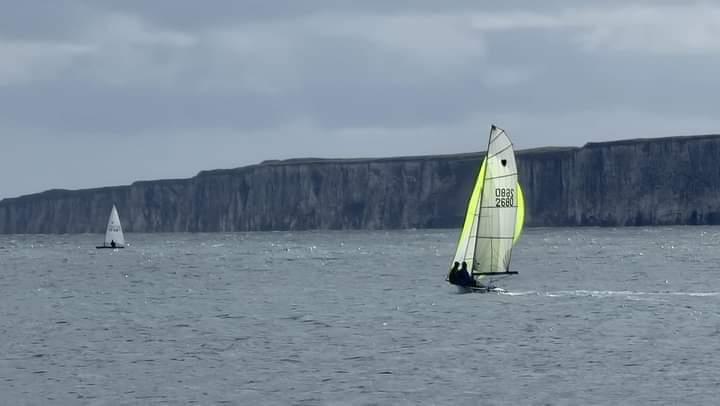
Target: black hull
point(471, 287)
point(102, 247)
point(496, 273)
point(479, 289)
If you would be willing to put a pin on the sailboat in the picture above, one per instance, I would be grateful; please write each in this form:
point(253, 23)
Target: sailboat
point(113, 234)
point(494, 218)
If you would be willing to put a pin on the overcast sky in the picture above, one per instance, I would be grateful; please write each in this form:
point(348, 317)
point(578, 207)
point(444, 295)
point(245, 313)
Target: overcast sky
point(102, 92)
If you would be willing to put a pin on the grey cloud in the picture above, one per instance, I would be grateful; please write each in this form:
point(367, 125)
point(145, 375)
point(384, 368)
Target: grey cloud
point(73, 106)
point(42, 20)
point(337, 77)
point(335, 73)
point(193, 14)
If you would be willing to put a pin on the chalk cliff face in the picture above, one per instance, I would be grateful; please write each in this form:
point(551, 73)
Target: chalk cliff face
point(634, 182)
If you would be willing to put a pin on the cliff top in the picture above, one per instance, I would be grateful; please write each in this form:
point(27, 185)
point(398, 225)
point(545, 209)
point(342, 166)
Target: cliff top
point(681, 138)
point(55, 193)
point(465, 155)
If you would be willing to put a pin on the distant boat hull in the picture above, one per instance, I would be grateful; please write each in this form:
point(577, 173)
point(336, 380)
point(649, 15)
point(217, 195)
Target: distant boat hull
point(101, 247)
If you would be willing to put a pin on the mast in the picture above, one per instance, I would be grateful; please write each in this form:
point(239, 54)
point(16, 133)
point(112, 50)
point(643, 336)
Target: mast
point(482, 196)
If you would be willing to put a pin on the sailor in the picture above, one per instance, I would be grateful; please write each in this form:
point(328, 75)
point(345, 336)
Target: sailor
point(112, 243)
point(465, 278)
point(453, 276)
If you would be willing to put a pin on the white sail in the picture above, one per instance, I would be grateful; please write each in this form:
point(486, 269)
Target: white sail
point(114, 230)
point(497, 211)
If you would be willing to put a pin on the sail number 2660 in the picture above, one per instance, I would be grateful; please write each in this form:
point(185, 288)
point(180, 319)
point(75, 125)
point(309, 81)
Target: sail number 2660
point(504, 197)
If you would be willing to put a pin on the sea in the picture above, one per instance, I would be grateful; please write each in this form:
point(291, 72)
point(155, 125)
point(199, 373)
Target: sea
point(596, 316)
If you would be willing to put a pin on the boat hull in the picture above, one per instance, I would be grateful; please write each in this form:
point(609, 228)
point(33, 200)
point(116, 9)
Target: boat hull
point(101, 247)
point(487, 289)
point(478, 289)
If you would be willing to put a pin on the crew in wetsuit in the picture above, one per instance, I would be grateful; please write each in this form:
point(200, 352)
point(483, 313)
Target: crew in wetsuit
point(460, 277)
point(466, 279)
point(112, 243)
point(453, 276)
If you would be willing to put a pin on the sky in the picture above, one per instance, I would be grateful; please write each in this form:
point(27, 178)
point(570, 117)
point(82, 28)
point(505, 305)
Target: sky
point(100, 92)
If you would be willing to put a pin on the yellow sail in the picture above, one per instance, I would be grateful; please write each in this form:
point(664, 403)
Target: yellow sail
point(520, 216)
point(470, 219)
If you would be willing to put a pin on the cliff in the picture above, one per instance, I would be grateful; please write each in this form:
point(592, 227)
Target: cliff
point(633, 182)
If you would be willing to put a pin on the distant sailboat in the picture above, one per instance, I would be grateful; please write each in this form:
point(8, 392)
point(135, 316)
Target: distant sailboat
point(494, 218)
point(113, 234)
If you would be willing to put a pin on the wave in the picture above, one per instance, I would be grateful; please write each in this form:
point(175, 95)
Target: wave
point(605, 293)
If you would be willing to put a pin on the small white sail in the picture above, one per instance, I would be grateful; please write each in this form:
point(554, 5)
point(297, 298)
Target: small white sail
point(114, 230)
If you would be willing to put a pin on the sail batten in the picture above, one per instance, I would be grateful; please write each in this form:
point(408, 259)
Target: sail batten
point(500, 176)
point(499, 152)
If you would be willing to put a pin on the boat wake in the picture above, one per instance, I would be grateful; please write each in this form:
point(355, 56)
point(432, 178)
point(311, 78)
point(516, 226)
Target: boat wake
point(605, 293)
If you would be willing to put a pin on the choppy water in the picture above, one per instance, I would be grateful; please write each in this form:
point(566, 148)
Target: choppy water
point(596, 316)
